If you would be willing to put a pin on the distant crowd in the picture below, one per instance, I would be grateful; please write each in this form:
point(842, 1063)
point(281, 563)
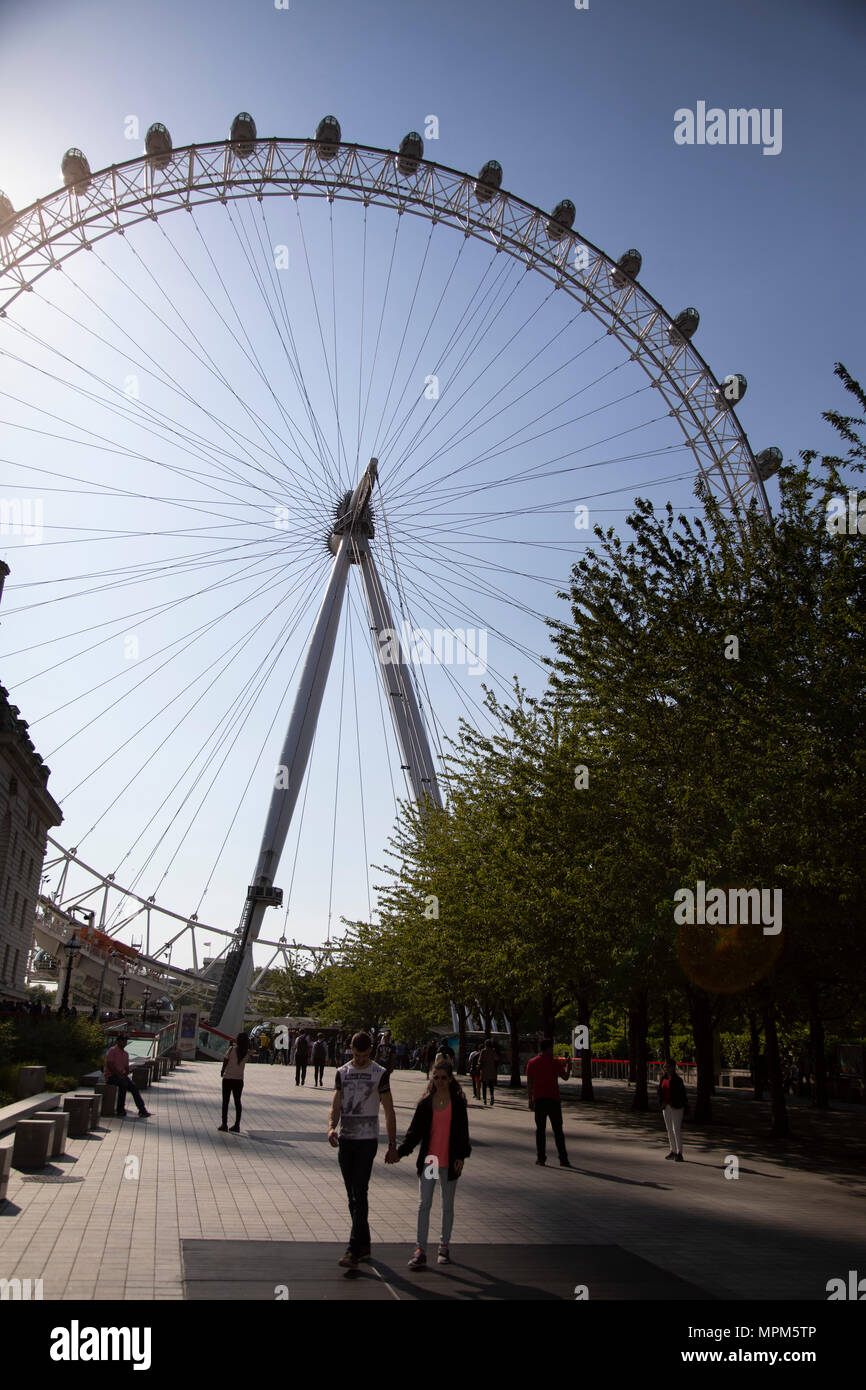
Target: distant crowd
point(287, 1046)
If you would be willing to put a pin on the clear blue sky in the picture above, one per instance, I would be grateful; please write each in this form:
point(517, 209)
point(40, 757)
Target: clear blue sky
point(576, 104)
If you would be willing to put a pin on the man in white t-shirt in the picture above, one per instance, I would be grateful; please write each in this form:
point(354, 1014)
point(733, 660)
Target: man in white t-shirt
point(359, 1088)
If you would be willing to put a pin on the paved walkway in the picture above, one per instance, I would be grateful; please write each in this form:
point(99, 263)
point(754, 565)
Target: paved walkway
point(779, 1231)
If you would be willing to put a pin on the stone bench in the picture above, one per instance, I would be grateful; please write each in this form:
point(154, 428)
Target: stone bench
point(79, 1109)
point(60, 1120)
point(108, 1091)
point(24, 1109)
point(95, 1101)
point(29, 1082)
point(33, 1139)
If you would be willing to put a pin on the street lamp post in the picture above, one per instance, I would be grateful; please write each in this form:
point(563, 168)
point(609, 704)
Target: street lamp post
point(71, 947)
point(109, 956)
point(146, 994)
point(123, 979)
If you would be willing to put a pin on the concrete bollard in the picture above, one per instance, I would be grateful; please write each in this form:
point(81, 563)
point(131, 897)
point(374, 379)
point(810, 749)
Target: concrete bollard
point(5, 1170)
point(33, 1139)
point(79, 1110)
point(95, 1102)
point(31, 1080)
point(141, 1076)
point(60, 1121)
point(108, 1091)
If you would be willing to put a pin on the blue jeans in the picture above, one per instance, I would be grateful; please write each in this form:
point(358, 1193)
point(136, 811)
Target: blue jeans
point(124, 1084)
point(356, 1165)
point(425, 1204)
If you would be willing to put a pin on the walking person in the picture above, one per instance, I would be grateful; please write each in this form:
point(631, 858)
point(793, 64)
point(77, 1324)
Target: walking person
point(543, 1075)
point(440, 1126)
point(475, 1074)
point(488, 1064)
point(386, 1053)
point(233, 1081)
point(674, 1104)
point(117, 1074)
point(428, 1054)
point(360, 1086)
point(302, 1057)
point(319, 1057)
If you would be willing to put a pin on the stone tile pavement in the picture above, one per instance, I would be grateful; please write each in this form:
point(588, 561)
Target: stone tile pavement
point(777, 1232)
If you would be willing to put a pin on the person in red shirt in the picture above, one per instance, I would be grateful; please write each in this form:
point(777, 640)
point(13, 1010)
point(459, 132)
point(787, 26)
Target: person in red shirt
point(116, 1073)
point(543, 1074)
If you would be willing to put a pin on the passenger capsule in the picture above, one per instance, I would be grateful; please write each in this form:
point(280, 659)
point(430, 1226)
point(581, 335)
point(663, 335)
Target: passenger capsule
point(489, 181)
point(684, 325)
point(731, 390)
point(410, 154)
point(75, 170)
point(158, 146)
point(769, 461)
point(561, 220)
point(628, 268)
point(243, 134)
point(7, 215)
point(328, 137)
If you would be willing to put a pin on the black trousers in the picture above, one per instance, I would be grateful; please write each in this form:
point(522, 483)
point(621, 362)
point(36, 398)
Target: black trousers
point(125, 1084)
point(552, 1110)
point(356, 1165)
point(489, 1086)
point(318, 1072)
point(232, 1089)
point(301, 1070)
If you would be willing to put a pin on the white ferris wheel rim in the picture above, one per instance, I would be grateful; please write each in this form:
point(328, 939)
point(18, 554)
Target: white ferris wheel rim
point(46, 234)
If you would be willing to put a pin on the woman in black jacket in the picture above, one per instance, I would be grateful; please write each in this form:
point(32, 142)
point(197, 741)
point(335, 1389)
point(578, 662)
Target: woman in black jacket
point(440, 1126)
point(673, 1102)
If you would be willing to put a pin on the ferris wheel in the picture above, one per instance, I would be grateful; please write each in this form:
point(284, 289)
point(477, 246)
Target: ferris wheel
point(341, 362)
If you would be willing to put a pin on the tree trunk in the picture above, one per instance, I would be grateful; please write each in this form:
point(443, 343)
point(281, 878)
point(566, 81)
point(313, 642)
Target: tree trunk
point(702, 1030)
point(584, 1016)
point(461, 1038)
point(513, 1016)
point(821, 1100)
point(780, 1128)
point(640, 1027)
point(547, 1015)
point(631, 1046)
point(666, 1029)
point(755, 1056)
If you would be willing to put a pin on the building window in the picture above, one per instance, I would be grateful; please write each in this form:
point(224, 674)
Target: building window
point(23, 912)
point(5, 962)
point(13, 786)
point(21, 863)
point(15, 905)
point(15, 964)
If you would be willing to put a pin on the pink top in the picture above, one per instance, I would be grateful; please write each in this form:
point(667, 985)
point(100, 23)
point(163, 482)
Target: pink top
point(116, 1061)
point(234, 1070)
point(440, 1135)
